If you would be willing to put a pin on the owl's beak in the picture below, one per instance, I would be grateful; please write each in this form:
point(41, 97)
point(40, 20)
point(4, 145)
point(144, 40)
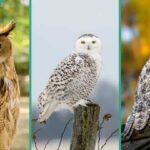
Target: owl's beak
point(88, 47)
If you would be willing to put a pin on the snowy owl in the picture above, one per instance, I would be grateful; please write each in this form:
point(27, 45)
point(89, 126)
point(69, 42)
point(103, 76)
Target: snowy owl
point(139, 116)
point(74, 78)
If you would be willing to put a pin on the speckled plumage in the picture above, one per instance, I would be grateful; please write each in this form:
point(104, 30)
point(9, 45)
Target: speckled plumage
point(72, 81)
point(139, 116)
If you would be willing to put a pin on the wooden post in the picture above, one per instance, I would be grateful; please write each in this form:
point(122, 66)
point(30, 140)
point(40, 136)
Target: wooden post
point(85, 127)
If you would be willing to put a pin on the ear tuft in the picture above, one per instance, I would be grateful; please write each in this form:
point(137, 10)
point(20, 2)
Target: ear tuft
point(7, 28)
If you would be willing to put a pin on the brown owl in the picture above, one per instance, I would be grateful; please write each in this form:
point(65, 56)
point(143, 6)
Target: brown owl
point(9, 90)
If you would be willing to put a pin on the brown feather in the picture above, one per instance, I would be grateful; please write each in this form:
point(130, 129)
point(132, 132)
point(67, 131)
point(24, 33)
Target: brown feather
point(7, 28)
point(9, 91)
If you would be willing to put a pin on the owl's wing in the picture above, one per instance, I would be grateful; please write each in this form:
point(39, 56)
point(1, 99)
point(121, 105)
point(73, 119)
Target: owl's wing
point(140, 111)
point(143, 90)
point(65, 73)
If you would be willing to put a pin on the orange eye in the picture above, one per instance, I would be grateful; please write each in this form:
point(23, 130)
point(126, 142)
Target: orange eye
point(93, 42)
point(82, 42)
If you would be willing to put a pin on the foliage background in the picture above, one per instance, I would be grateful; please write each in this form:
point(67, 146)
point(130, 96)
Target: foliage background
point(18, 10)
point(135, 47)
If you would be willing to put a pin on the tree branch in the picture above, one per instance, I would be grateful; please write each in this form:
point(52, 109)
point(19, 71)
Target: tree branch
point(111, 135)
point(62, 134)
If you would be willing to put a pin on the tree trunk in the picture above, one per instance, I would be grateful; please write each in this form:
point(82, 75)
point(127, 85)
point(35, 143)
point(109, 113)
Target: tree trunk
point(140, 140)
point(85, 127)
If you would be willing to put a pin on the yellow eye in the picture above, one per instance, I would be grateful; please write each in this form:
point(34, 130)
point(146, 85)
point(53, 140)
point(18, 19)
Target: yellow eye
point(82, 42)
point(93, 42)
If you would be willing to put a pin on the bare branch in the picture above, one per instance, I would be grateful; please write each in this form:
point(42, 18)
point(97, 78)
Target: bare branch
point(99, 133)
point(62, 134)
point(47, 143)
point(34, 136)
point(106, 117)
point(111, 135)
point(34, 139)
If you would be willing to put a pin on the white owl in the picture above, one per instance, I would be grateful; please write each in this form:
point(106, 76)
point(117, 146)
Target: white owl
point(139, 116)
point(74, 78)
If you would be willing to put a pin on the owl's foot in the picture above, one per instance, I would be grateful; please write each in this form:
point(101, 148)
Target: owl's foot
point(89, 101)
point(82, 102)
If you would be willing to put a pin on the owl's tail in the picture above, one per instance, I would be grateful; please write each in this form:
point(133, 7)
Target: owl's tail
point(47, 110)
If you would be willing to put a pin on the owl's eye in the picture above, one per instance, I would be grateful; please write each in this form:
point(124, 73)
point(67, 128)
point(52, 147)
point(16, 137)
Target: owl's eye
point(82, 42)
point(93, 42)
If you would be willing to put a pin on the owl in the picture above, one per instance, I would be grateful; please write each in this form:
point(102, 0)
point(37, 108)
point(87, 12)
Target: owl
point(74, 78)
point(9, 90)
point(139, 117)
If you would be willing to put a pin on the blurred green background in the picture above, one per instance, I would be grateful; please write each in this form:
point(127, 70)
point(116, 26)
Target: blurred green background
point(18, 10)
point(135, 47)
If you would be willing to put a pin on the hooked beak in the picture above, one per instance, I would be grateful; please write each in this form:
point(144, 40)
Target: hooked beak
point(88, 47)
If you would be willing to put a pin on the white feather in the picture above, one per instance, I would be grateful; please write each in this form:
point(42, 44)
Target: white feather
point(48, 109)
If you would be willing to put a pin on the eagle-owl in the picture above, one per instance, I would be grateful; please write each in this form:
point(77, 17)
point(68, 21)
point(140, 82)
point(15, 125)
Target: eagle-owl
point(9, 90)
point(74, 78)
point(139, 117)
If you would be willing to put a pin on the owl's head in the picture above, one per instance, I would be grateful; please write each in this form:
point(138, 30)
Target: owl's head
point(5, 43)
point(88, 43)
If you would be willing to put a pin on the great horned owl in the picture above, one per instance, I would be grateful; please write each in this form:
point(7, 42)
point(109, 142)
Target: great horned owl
point(9, 90)
point(138, 119)
point(74, 78)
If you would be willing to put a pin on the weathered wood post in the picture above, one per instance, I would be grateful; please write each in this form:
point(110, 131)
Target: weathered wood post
point(85, 127)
